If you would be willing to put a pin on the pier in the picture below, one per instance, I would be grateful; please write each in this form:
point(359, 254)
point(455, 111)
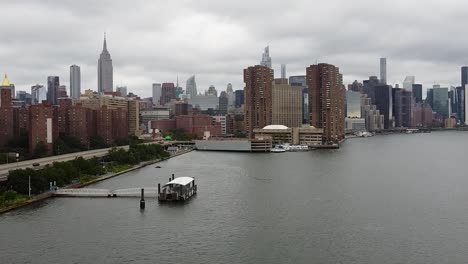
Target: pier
point(92, 192)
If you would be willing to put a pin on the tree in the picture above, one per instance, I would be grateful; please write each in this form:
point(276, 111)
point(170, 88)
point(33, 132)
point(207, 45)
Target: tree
point(97, 142)
point(40, 150)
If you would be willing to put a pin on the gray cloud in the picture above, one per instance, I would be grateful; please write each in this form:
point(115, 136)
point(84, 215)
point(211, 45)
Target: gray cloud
point(154, 41)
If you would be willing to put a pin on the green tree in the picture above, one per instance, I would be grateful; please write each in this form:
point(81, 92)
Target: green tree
point(40, 150)
point(97, 142)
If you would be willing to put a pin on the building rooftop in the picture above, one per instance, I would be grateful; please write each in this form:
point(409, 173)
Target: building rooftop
point(276, 127)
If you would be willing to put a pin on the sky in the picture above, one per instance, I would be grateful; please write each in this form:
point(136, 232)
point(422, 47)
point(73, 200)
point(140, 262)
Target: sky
point(156, 41)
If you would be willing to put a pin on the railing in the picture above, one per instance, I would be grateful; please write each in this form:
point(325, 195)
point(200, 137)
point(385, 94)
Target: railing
point(91, 192)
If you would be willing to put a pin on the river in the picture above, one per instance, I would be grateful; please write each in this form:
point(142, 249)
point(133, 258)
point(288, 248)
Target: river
point(386, 199)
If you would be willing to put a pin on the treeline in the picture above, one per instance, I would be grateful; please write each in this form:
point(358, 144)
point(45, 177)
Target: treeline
point(64, 173)
point(63, 144)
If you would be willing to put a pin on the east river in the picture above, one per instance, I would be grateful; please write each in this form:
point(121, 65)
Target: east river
point(386, 199)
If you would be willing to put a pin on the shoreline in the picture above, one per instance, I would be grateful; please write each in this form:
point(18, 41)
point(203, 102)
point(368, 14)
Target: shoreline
point(50, 194)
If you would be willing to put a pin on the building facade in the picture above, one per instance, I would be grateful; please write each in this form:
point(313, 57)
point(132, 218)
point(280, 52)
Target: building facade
point(326, 101)
point(258, 97)
point(157, 94)
point(191, 87)
point(53, 83)
point(383, 70)
point(167, 93)
point(75, 82)
point(287, 104)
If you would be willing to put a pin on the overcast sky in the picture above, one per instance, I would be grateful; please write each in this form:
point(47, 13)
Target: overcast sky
point(153, 41)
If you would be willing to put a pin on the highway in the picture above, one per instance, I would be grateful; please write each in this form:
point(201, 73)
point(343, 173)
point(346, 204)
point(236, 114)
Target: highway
point(5, 168)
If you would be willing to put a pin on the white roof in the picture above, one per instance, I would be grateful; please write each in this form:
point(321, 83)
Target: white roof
point(180, 181)
point(275, 127)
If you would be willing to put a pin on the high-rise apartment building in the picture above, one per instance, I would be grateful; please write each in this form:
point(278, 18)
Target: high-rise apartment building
point(105, 70)
point(258, 97)
point(157, 94)
point(326, 100)
point(75, 82)
point(41, 126)
point(53, 83)
point(382, 97)
point(133, 117)
point(383, 70)
point(287, 104)
point(266, 59)
point(408, 83)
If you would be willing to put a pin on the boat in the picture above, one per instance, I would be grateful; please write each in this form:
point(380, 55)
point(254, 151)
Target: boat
point(277, 150)
point(179, 189)
point(158, 167)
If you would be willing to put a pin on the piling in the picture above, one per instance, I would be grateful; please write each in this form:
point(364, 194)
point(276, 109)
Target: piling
point(172, 176)
point(142, 200)
point(159, 188)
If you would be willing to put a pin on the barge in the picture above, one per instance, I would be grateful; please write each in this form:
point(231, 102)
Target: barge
point(179, 189)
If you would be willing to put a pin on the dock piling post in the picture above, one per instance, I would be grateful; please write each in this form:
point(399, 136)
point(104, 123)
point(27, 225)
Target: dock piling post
point(159, 188)
point(142, 200)
point(172, 176)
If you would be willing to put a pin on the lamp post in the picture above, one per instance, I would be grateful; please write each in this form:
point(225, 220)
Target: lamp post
point(29, 181)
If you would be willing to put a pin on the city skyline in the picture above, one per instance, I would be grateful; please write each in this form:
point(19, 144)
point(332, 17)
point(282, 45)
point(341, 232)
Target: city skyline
point(138, 64)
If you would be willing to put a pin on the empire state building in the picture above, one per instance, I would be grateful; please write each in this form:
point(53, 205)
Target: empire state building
point(105, 70)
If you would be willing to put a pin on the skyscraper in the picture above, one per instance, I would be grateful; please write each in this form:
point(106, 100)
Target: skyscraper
point(283, 71)
point(223, 103)
point(408, 83)
point(239, 94)
point(7, 85)
point(300, 80)
point(383, 100)
point(326, 100)
point(353, 104)
point(75, 82)
point(460, 104)
point(403, 103)
point(383, 70)
point(231, 96)
point(464, 76)
point(38, 93)
point(440, 101)
point(105, 70)
point(157, 94)
point(53, 83)
point(287, 104)
point(191, 87)
point(417, 92)
point(167, 93)
point(266, 60)
point(212, 91)
point(258, 97)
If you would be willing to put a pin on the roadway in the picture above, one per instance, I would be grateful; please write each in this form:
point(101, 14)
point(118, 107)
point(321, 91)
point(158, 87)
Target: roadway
point(5, 168)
